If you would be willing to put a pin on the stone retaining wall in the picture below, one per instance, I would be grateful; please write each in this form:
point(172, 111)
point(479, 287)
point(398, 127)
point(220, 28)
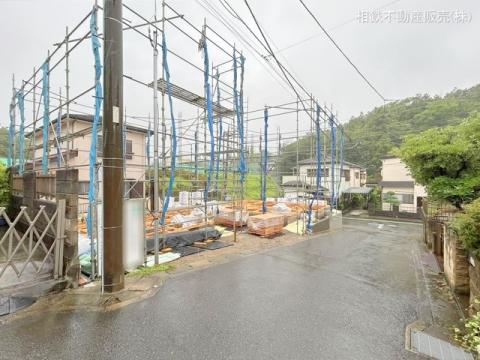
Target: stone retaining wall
point(455, 262)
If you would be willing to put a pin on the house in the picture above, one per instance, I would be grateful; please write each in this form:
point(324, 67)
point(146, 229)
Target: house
point(304, 178)
point(396, 179)
point(75, 150)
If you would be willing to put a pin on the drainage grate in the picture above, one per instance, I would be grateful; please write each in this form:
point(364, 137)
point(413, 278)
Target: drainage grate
point(438, 349)
point(9, 305)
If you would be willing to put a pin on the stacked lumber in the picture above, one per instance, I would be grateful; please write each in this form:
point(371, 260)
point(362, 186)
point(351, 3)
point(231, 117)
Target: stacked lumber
point(255, 206)
point(172, 228)
point(251, 205)
point(169, 225)
point(265, 224)
point(149, 218)
point(231, 217)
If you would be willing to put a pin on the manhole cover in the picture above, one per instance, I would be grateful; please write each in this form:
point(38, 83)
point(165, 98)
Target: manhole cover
point(426, 344)
point(11, 304)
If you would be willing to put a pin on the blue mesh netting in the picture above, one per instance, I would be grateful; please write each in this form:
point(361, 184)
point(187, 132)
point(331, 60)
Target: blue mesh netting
point(166, 73)
point(46, 116)
point(21, 136)
point(96, 117)
point(319, 168)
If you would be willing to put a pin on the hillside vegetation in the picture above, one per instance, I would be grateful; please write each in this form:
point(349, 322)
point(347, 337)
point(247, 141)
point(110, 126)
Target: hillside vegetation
point(373, 135)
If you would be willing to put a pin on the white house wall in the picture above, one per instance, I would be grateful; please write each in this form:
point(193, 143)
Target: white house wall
point(393, 169)
point(135, 167)
point(355, 177)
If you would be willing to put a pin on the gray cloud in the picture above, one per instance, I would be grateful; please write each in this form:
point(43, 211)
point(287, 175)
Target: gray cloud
point(400, 59)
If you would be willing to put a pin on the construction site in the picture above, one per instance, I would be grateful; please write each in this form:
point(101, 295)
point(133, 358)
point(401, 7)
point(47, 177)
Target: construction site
point(217, 179)
point(137, 186)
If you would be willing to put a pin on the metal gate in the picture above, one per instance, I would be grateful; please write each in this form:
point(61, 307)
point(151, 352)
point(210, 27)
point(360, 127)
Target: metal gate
point(32, 248)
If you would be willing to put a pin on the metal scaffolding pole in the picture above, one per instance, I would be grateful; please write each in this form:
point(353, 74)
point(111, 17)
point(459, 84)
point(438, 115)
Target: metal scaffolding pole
point(164, 133)
point(13, 125)
point(113, 276)
point(32, 142)
point(67, 99)
point(156, 205)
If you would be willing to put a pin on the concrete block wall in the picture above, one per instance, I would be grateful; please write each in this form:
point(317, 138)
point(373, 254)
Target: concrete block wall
point(67, 189)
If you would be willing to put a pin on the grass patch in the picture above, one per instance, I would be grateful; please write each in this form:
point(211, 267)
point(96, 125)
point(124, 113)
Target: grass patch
point(145, 271)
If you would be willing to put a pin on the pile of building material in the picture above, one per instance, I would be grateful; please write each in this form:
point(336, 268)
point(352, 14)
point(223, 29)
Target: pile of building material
point(265, 224)
point(231, 217)
point(178, 220)
point(287, 213)
point(281, 208)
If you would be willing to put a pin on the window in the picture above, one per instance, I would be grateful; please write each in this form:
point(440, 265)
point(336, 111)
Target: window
point(346, 175)
point(357, 175)
point(99, 145)
point(83, 187)
point(133, 189)
point(402, 198)
point(406, 198)
point(128, 150)
point(325, 172)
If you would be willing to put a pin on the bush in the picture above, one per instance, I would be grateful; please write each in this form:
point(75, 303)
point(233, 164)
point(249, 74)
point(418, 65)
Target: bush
point(446, 161)
point(376, 196)
point(469, 336)
point(4, 187)
point(467, 226)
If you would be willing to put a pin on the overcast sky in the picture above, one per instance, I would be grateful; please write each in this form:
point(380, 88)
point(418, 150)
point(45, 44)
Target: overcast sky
point(400, 58)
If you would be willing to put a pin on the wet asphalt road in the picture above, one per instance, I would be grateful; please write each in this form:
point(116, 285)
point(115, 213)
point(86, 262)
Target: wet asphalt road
point(345, 295)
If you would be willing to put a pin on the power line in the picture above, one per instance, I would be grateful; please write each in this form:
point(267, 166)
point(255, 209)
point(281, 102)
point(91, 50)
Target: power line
point(247, 42)
point(332, 28)
point(233, 13)
point(341, 51)
point(287, 75)
point(282, 69)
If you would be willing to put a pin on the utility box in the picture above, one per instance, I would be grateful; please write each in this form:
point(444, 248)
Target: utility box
point(133, 233)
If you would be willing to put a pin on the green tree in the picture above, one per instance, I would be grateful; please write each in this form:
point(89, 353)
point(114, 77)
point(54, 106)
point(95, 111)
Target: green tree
point(467, 226)
point(446, 161)
point(4, 187)
point(373, 135)
point(3, 141)
point(392, 199)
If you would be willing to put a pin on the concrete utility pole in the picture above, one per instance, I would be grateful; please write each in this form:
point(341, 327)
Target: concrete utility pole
point(113, 276)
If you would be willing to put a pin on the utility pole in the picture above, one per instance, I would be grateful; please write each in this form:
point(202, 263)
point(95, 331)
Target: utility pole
point(113, 276)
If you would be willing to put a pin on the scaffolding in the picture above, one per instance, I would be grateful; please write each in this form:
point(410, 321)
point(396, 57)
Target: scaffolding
point(196, 164)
